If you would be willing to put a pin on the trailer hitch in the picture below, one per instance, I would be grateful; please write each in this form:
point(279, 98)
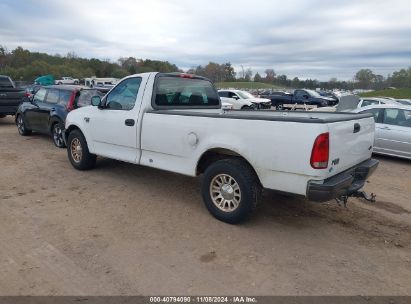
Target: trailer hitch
point(342, 200)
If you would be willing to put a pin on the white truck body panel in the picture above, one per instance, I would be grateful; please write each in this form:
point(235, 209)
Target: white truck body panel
point(278, 150)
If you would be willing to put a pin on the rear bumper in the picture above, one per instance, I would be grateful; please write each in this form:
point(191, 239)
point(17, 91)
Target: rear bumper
point(344, 183)
point(8, 110)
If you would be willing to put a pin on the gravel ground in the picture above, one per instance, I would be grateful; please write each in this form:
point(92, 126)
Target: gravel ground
point(128, 230)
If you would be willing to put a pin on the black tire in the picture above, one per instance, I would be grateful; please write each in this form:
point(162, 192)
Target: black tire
point(245, 179)
point(279, 106)
point(2, 116)
point(59, 83)
point(80, 159)
point(21, 126)
point(247, 108)
point(57, 133)
point(76, 82)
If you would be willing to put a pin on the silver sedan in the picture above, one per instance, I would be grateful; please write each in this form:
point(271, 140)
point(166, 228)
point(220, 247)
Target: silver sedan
point(392, 129)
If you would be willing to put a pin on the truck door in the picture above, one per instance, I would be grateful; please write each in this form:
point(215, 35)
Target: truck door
point(113, 128)
point(299, 96)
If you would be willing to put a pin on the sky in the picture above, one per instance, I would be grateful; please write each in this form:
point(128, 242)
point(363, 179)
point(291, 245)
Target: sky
point(300, 38)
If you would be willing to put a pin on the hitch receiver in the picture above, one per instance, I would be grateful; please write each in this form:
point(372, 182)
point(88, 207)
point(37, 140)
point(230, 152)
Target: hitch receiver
point(342, 200)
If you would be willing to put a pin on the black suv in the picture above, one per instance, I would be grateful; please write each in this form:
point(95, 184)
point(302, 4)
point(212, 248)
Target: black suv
point(46, 111)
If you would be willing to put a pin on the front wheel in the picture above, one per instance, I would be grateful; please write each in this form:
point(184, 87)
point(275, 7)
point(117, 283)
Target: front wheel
point(21, 126)
point(57, 133)
point(230, 190)
point(78, 152)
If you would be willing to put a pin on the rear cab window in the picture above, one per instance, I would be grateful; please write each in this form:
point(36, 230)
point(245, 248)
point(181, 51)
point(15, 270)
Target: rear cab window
point(184, 91)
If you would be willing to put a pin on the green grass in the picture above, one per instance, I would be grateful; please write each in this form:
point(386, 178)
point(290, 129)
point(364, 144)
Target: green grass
point(395, 93)
point(247, 85)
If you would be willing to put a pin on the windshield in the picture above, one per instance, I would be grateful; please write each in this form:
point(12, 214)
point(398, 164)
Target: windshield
point(313, 93)
point(245, 95)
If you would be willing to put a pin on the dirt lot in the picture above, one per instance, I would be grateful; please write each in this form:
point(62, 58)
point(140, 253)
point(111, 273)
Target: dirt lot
point(124, 229)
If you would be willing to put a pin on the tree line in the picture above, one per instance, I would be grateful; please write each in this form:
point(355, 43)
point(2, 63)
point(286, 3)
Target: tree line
point(24, 65)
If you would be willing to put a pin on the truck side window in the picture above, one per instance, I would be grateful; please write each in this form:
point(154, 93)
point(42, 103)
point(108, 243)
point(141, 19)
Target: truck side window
point(124, 95)
point(298, 94)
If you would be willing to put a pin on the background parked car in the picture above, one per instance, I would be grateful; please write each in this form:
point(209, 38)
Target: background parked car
point(67, 80)
point(376, 101)
point(392, 129)
point(308, 97)
point(242, 100)
point(406, 102)
point(46, 111)
point(31, 90)
point(10, 96)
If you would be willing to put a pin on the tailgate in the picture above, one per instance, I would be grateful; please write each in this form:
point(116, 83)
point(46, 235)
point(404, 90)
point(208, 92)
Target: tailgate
point(351, 142)
point(11, 97)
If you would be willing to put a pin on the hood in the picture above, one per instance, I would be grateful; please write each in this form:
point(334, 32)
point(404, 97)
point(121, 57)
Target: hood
point(258, 100)
point(328, 98)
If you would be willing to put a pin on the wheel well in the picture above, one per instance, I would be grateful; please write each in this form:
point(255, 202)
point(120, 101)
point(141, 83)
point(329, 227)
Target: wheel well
point(53, 122)
point(69, 130)
point(214, 155)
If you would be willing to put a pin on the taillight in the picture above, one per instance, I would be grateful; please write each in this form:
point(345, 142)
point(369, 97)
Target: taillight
point(70, 104)
point(320, 152)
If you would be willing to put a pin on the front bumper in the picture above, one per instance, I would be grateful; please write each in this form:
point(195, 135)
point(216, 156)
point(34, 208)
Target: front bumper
point(263, 105)
point(344, 183)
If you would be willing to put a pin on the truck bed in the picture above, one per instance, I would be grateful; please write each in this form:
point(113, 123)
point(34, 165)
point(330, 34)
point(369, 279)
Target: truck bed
point(286, 116)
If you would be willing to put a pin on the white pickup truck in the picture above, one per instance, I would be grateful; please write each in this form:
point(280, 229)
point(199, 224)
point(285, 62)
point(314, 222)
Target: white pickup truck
point(67, 80)
point(175, 122)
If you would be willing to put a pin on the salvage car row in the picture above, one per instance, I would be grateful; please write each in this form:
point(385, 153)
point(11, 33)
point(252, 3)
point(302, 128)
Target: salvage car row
point(175, 122)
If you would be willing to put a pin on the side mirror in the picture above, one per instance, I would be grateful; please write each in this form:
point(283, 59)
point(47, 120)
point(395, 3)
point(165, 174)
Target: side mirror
point(235, 97)
point(95, 101)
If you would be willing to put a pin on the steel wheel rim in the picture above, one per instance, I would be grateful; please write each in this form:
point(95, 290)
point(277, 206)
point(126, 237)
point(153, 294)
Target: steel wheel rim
point(225, 192)
point(76, 150)
point(20, 125)
point(58, 136)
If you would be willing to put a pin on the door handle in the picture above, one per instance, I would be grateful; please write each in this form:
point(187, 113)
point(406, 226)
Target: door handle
point(130, 122)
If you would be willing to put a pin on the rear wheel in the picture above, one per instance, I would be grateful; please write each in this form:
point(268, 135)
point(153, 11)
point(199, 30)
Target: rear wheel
point(280, 106)
point(21, 126)
point(2, 116)
point(78, 152)
point(57, 133)
point(230, 190)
